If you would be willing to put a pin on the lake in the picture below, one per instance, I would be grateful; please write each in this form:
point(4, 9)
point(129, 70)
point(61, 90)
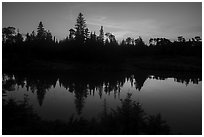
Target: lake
point(58, 96)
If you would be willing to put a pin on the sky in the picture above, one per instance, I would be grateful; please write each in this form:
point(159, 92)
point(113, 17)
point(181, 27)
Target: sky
point(123, 19)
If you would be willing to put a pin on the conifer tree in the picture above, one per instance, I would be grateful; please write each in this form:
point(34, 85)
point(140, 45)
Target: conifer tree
point(87, 33)
point(40, 31)
point(19, 37)
point(80, 28)
point(101, 35)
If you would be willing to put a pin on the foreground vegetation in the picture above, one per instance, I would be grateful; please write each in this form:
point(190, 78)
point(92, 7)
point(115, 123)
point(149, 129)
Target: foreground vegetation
point(129, 118)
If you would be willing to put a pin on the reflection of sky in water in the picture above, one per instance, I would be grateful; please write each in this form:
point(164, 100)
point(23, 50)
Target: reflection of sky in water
point(179, 105)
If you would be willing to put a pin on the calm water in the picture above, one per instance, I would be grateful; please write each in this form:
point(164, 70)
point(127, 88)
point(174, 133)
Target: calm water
point(177, 97)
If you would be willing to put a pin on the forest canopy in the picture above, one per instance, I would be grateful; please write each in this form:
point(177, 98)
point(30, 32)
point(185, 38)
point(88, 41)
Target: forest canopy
point(83, 45)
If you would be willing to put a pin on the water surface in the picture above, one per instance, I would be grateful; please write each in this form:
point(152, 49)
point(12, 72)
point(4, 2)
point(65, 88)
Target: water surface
point(58, 96)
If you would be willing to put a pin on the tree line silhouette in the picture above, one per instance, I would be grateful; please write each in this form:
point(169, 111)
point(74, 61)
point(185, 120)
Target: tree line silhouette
point(83, 45)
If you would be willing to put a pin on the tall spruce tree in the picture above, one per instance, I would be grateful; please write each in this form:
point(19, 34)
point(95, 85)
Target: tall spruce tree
point(80, 29)
point(40, 31)
point(101, 35)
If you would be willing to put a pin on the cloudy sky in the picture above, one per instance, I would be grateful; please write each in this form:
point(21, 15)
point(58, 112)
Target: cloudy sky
point(122, 19)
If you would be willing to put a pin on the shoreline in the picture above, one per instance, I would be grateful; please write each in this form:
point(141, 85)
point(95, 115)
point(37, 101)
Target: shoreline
point(148, 63)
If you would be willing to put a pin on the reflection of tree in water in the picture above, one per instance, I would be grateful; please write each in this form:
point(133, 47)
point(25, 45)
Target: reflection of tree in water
point(80, 95)
point(41, 91)
point(83, 84)
point(20, 80)
point(93, 82)
point(140, 78)
point(40, 87)
point(41, 84)
point(100, 90)
point(181, 77)
point(8, 83)
point(36, 83)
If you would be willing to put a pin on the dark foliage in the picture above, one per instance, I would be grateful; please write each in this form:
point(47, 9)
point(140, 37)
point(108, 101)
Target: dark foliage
point(129, 118)
point(83, 46)
point(85, 83)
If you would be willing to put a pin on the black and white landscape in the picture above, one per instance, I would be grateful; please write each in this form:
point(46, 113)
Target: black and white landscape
point(104, 68)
